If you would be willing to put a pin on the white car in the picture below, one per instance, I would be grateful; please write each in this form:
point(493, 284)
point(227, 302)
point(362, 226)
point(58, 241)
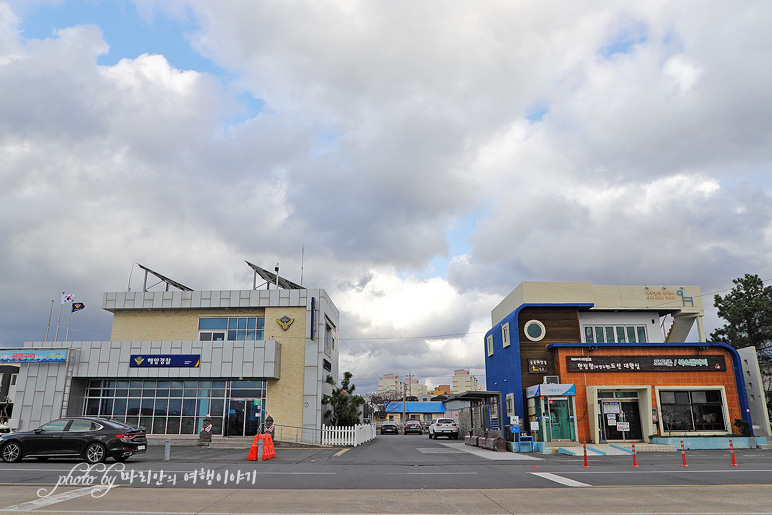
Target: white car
point(4, 428)
point(443, 427)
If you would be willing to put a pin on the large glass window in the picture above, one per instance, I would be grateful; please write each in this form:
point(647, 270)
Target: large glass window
point(231, 329)
point(615, 334)
point(692, 410)
point(168, 407)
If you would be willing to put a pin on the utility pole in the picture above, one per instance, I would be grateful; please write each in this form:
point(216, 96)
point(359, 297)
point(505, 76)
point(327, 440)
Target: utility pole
point(404, 402)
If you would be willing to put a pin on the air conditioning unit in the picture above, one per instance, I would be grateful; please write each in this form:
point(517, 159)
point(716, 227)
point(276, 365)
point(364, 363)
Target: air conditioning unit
point(551, 380)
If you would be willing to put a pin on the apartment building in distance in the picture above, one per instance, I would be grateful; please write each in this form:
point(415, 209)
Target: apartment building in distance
point(464, 381)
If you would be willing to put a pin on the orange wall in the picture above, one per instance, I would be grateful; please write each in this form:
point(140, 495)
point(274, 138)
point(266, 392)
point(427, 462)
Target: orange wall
point(580, 379)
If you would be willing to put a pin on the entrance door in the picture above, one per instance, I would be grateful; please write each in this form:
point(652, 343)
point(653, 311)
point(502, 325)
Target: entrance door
point(561, 427)
point(244, 417)
point(621, 420)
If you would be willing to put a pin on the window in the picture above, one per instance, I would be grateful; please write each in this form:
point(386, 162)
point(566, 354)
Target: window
point(83, 425)
point(56, 425)
point(489, 341)
point(505, 334)
point(329, 339)
point(534, 330)
point(168, 407)
point(692, 410)
point(13, 379)
point(615, 334)
point(231, 329)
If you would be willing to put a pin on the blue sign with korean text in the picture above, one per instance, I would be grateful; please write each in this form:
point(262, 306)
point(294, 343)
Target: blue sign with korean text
point(33, 356)
point(164, 360)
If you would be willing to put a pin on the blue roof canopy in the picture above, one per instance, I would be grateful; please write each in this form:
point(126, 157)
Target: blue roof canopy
point(416, 407)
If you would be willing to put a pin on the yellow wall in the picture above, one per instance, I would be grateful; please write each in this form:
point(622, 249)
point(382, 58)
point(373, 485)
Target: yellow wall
point(167, 324)
point(284, 397)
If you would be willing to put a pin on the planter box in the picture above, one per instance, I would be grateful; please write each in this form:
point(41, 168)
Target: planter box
point(711, 442)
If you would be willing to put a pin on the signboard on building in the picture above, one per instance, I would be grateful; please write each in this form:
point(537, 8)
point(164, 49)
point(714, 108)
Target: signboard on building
point(550, 390)
point(537, 366)
point(164, 360)
point(33, 356)
point(710, 363)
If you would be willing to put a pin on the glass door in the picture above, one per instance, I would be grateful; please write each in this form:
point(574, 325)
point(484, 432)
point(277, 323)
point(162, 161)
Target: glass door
point(245, 416)
point(621, 420)
point(560, 422)
point(235, 418)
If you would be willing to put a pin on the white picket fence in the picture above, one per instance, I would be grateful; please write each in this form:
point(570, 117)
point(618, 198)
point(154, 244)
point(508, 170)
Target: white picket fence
point(347, 435)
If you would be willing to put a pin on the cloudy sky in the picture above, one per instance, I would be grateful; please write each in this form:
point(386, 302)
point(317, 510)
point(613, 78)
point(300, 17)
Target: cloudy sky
point(428, 156)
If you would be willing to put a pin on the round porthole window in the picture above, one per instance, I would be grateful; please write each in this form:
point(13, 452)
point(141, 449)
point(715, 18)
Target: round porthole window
point(534, 330)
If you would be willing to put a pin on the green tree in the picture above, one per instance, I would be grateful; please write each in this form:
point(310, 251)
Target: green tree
point(747, 309)
point(343, 404)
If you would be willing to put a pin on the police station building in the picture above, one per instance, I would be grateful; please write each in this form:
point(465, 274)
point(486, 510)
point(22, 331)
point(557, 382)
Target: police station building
point(176, 356)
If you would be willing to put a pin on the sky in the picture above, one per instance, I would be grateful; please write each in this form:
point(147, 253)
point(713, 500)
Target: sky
point(416, 159)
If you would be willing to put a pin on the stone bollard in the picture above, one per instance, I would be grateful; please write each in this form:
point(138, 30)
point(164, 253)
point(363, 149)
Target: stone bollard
point(167, 449)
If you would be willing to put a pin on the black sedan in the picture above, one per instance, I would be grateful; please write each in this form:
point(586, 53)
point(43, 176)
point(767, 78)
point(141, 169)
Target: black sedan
point(389, 426)
point(92, 439)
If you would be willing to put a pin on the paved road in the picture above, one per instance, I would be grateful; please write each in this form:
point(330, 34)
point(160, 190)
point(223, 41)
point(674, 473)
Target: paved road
point(395, 474)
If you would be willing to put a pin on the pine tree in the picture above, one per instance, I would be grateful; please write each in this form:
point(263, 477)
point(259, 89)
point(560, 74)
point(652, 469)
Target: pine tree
point(344, 405)
point(748, 312)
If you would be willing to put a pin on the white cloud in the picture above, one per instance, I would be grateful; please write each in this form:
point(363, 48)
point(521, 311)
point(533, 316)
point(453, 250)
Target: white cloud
point(384, 126)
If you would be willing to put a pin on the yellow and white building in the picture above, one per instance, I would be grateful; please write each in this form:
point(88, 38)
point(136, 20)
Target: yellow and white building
point(175, 356)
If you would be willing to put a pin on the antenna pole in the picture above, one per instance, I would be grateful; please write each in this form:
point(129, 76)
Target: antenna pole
point(49, 319)
point(302, 255)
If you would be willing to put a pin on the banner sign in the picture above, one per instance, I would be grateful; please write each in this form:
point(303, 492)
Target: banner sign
point(550, 390)
point(33, 356)
point(710, 363)
point(164, 360)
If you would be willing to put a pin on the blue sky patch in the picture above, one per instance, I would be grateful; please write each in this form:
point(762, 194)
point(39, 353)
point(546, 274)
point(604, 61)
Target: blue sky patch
point(127, 33)
point(625, 40)
point(536, 112)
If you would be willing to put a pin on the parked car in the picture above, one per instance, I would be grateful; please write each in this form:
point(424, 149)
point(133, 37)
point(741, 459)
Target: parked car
point(413, 426)
point(443, 427)
point(92, 439)
point(4, 428)
point(389, 426)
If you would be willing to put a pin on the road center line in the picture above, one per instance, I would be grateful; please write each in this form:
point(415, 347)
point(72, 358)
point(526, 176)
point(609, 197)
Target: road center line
point(559, 479)
point(341, 452)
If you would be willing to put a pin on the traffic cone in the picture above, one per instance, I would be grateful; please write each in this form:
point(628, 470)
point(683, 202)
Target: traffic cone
point(731, 446)
point(635, 457)
point(683, 454)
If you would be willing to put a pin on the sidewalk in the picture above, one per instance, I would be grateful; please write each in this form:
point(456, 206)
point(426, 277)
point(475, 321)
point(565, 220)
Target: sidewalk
point(220, 442)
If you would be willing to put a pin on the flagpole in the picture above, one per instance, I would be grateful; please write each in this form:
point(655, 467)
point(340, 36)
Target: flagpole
point(56, 338)
point(49, 319)
point(67, 336)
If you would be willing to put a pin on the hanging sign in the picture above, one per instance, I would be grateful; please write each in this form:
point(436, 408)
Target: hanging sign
point(623, 426)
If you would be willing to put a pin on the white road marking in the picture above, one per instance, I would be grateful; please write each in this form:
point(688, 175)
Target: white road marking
point(57, 498)
point(559, 479)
